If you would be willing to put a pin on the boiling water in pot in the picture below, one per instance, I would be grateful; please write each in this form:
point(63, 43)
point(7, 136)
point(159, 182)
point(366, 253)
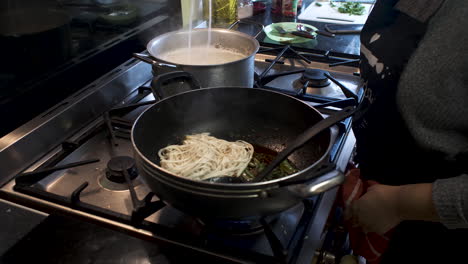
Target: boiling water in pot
point(208, 43)
point(201, 56)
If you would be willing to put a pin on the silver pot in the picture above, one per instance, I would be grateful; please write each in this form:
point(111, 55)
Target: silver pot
point(234, 73)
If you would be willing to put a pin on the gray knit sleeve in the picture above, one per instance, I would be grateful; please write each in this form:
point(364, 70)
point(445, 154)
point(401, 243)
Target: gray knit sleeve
point(450, 197)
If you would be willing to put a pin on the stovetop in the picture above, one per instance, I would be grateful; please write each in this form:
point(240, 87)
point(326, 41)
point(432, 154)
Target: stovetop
point(115, 101)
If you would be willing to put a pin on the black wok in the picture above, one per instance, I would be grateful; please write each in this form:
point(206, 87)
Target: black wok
point(258, 116)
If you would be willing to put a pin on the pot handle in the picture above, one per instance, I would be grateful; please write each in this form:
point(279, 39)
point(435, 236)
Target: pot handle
point(158, 81)
point(151, 60)
point(249, 22)
point(317, 185)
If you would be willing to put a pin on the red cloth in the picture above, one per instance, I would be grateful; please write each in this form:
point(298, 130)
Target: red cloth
point(369, 245)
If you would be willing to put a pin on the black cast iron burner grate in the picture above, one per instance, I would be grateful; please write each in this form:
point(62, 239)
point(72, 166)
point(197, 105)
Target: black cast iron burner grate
point(144, 208)
point(117, 126)
point(262, 79)
point(26, 182)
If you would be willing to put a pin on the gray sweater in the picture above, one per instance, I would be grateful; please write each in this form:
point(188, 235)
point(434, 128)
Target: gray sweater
point(433, 100)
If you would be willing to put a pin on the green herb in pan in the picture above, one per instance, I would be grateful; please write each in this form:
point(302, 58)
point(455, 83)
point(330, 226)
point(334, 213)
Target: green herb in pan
point(260, 160)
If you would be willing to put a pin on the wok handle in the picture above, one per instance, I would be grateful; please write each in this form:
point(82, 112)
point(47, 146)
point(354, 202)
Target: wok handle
point(160, 80)
point(317, 185)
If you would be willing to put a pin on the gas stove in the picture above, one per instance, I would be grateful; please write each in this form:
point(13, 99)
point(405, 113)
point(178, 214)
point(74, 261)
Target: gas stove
point(68, 161)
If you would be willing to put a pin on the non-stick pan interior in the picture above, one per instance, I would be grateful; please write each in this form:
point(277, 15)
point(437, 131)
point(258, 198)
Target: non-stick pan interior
point(257, 116)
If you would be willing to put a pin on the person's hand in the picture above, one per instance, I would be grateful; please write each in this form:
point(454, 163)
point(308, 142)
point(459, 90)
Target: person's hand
point(377, 210)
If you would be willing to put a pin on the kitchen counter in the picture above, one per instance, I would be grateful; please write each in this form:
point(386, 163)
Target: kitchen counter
point(344, 45)
point(15, 222)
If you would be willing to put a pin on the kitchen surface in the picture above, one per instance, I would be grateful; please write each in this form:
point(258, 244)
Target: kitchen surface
point(344, 44)
point(70, 171)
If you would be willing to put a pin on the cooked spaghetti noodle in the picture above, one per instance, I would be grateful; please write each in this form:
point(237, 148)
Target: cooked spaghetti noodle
point(202, 157)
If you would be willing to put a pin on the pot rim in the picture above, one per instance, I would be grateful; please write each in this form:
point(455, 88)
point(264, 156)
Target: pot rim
point(222, 30)
point(228, 185)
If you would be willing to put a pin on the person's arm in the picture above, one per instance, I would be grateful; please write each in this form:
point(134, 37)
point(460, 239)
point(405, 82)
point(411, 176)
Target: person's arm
point(450, 198)
point(445, 201)
point(414, 202)
point(434, 109)
point(383, 206)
